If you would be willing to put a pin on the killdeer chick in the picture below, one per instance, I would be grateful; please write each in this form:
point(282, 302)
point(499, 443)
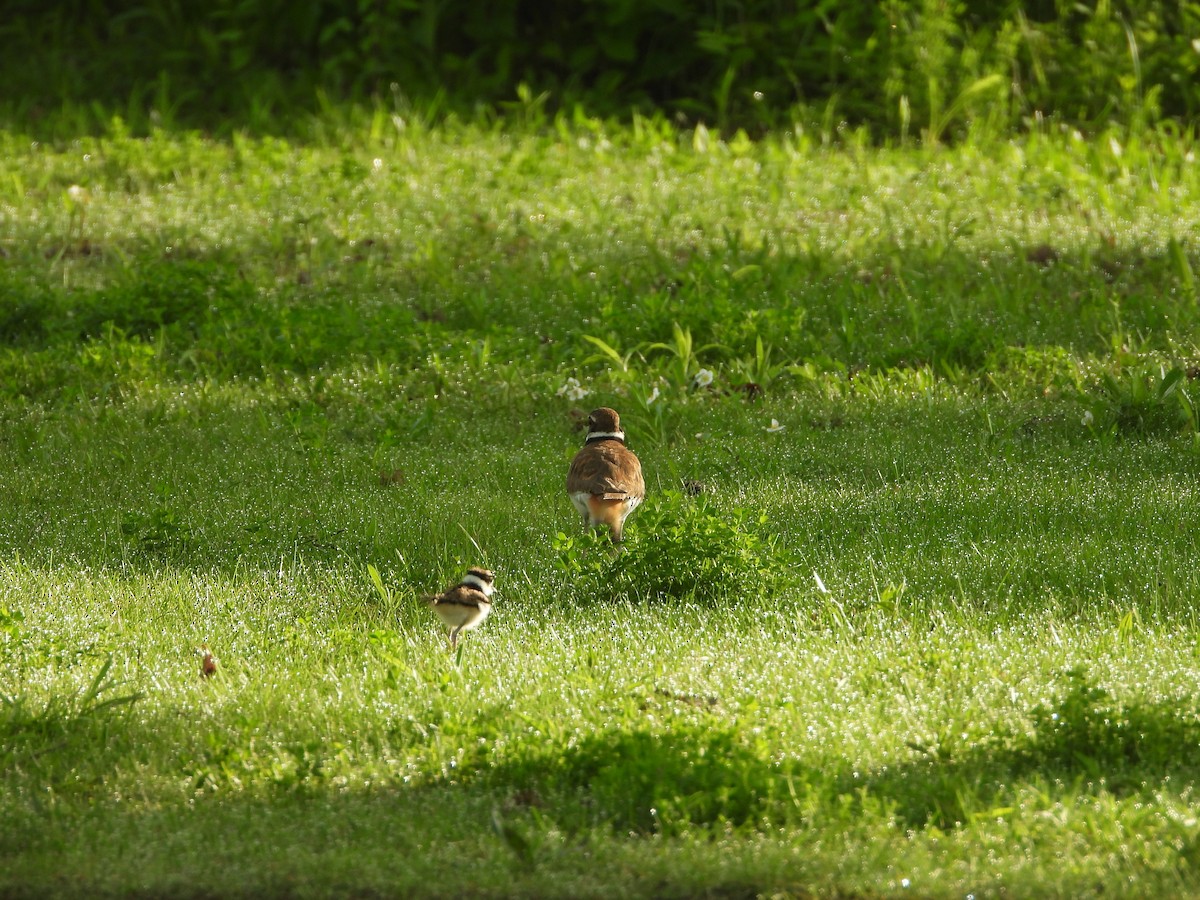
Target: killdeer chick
point(465, 605)
point(605, 479)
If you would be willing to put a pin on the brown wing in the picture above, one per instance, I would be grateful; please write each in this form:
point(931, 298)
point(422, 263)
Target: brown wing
point(462, 595)
point(606, 468)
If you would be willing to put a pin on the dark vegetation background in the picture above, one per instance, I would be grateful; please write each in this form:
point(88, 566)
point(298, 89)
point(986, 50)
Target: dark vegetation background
point(927, 67)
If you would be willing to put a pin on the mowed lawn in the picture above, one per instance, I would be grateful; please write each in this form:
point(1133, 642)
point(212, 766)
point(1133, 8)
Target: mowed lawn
point(909, 609)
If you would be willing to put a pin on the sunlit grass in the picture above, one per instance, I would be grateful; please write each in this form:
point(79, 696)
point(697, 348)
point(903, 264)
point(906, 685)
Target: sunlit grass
point(950, 433)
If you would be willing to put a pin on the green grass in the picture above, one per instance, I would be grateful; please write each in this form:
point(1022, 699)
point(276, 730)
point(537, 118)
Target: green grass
point(945, 641)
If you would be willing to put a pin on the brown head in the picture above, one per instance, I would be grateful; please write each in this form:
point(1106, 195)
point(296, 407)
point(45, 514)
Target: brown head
point(604, 423)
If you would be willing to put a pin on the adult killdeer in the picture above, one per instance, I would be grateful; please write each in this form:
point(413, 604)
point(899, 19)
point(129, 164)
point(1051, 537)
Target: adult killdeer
point(465, 605)
point(605, 479)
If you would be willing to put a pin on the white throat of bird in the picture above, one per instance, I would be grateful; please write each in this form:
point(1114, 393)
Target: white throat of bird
point(479, 584)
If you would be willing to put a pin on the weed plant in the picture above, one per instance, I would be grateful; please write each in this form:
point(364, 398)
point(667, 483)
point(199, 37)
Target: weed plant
point(679, 549)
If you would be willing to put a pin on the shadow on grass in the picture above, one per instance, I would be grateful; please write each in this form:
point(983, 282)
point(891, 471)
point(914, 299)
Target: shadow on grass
point(1082, 742)
point(279, 837)
point(694, 777)
point(673, 782)
point(929, 306)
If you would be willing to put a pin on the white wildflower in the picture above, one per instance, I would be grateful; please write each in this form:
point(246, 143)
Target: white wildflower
point(573, 390)
point(1087, 419)
point(702, 379)
point(774, 427)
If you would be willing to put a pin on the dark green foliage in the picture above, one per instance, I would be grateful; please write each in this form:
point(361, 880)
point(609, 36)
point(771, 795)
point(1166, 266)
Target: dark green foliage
point(158, 533)
point(704, 776)
point(1086, 730)
point(1142, 397)
point(921, 66)
point(180, 294)
point(647, 783)
point(30, 729)
point(139, 303)
point(1083, 735)
point(21, 320)
point(677, 547)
